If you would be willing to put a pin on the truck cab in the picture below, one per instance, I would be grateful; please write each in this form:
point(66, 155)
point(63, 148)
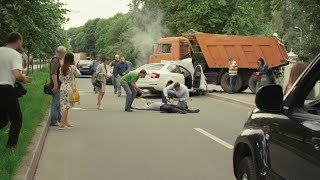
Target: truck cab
point(171, 48)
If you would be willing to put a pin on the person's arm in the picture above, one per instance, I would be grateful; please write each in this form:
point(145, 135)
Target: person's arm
point(54, 71)
point(19, 76)
point(134, 85)
point(128, 68)
point(165, 90)
point(115, 69)
point(76, 71)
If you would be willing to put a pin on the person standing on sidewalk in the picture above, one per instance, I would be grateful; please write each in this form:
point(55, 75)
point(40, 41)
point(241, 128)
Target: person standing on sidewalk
point(55, 64)
point(10, 72)
point(121, 70)
point(233, 74)
point(128, 82)
point(178, 92)
point(263, 73)
point(67, 75)
point(102, 72)
point(93, 68)
point(114, 64)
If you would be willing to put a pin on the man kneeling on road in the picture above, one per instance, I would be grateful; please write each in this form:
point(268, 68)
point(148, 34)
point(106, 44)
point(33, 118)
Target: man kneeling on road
point(177, 92)
point(168, 108)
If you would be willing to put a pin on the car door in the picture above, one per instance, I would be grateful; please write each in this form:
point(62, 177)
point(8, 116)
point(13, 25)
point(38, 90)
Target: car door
point(294, 143)
point(198, 77)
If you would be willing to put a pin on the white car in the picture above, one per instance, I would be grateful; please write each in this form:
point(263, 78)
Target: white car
point(161, 75)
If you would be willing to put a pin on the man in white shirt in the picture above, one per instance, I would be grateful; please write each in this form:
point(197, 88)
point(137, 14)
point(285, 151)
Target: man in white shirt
point(178, 92)
point(10, 72)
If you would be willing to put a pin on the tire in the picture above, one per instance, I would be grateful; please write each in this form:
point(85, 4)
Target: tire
point(243, 88)
point(225, 83)
point(199, 92)
point(246, 170)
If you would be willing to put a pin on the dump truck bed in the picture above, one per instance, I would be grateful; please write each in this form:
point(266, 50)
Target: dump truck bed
point(218, 49)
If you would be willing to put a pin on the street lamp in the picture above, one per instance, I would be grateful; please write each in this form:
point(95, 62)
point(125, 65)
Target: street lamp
point(296, 27)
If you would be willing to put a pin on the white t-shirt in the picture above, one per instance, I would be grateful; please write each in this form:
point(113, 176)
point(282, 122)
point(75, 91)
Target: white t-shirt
point(10, 60)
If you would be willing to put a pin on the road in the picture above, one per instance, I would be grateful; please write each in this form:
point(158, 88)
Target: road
point(116, 145)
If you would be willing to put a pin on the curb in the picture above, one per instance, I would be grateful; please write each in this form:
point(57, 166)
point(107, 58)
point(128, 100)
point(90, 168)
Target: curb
point(28, 165)
point(249, 105)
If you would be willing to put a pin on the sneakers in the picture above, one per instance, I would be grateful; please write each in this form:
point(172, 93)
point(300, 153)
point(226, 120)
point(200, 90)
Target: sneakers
point(128, 110)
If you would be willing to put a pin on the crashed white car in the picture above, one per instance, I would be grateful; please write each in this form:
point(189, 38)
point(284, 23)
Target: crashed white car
point(161, 75)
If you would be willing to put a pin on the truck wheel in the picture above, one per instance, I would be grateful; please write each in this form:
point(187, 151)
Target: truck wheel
point(246, 170)
point(225, 83)
point(252, 85)
point(243, 88)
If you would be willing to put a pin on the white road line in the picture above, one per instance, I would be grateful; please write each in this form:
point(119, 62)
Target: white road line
point(218, 140)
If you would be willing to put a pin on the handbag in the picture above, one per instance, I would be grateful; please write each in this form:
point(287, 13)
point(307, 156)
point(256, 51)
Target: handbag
point(47, 88)
point(20, 90)
point(74, 94)
point(256, 77)
point(97, 83)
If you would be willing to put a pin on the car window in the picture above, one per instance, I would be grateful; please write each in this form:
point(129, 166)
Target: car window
point(174, 69)
point(312, 102)
point(164, 48)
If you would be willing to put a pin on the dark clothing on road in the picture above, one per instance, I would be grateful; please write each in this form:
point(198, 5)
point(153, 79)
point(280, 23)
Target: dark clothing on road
point(10, 111)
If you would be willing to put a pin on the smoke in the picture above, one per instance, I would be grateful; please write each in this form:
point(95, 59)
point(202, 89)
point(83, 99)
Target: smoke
point(148, 31)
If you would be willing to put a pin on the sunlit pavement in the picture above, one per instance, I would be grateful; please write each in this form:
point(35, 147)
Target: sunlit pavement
point(115, 145)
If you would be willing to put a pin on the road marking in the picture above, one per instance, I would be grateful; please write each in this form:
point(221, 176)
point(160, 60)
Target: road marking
point(218, 140)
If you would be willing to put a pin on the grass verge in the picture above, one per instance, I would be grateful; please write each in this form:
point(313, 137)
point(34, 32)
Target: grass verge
point(34, 105)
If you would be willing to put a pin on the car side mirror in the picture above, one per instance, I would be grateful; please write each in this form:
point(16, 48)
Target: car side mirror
point(270, 98)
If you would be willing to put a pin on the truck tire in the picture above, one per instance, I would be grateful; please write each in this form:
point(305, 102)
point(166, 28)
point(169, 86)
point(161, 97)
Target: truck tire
point(225, 83)
point(243, 88)
point(252, 85)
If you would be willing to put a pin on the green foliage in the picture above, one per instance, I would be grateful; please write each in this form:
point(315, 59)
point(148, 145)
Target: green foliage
point(39, 22)
point(33, 106)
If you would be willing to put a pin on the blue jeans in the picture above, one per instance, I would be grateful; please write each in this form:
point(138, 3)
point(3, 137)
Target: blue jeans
point(233, 80)
point(131, 95)
point(172, 94)
point(55, 115)
point(114, 82)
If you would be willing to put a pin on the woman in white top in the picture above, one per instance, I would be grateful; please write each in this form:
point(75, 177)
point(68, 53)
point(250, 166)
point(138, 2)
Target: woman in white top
point(102, 73)
point(67, 75)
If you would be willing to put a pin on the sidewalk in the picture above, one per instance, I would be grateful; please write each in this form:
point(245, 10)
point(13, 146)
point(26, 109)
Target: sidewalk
point(246, 98)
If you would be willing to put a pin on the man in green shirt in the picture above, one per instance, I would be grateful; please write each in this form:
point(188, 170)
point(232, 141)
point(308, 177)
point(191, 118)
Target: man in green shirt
point(128, 82)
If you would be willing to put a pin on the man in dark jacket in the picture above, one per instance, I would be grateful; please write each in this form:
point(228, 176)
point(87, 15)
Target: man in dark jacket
point(121, 70)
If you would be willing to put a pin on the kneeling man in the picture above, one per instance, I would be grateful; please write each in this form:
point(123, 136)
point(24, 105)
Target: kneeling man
point(178, 92)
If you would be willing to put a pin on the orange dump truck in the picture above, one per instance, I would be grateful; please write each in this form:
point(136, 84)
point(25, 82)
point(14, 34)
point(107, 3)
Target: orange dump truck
point(213, 51)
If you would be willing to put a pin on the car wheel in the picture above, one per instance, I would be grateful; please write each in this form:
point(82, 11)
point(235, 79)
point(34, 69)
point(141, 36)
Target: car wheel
point(246, 170)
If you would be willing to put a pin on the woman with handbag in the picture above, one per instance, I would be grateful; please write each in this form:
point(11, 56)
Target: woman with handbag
point(67, 75)
point(102, 73)
point(262, 74)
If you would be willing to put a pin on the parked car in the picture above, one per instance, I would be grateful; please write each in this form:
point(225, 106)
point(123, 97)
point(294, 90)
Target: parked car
point(84, 67)
point(161, 75)
point(281, 139)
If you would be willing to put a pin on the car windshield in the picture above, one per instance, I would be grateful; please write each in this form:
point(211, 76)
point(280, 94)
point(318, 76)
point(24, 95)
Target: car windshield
point(151, 67)
point(85, 62)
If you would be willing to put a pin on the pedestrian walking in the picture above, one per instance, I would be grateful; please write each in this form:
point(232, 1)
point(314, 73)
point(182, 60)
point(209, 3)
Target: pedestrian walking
point(102, 73)
point(10, 72)
point(114, 64)
point(262, 73)
point(121, 70)
point(93, 68)
point(67, 75)
point(178, 92)
point(233, 74)
point(55, 64)
point(128, 82)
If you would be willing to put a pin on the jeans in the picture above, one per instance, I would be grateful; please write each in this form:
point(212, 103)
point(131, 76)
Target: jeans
point(10, 111)
point(114, 82)
point(118, 80)
point(233, 80)
point(172, 94)
point(131, 95)
point(55, 115)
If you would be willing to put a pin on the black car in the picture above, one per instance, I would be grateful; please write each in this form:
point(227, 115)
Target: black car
point(281, 139)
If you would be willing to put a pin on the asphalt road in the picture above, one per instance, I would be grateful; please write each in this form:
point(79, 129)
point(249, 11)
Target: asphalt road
point(116, 145)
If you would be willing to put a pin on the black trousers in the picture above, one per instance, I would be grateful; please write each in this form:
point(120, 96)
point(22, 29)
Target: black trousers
point(10, 112)
point(171, 109)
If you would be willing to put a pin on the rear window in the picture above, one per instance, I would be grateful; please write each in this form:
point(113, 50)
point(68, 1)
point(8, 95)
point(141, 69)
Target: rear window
point(151, 67)
point(85, 62)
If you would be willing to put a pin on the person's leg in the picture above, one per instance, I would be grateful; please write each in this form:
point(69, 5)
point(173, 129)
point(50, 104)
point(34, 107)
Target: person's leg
point(3, 120)
point(129, 95)
point(15, 117)
point(66, 120)
point(134, 94)
point(172, 109)
point(115, 86)
point(232, 83)
point(119, 85)
point(183, 104)
point(64, 117)
point(55, 109)
point(171, 94)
